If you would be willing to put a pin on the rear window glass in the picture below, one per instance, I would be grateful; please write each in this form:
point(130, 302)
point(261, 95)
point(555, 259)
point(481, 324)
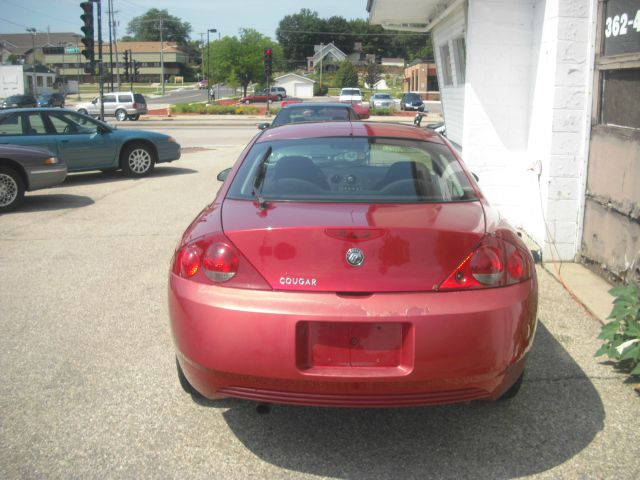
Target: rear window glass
point(371, 170)
point(138, 98)
point(312, 114)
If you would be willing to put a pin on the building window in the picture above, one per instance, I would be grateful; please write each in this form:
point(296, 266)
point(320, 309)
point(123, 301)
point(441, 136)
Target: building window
point(432, 83)
point(39, 82)
point(620, 91)
point(445, 60)
point(460, 59)
point(49, 81)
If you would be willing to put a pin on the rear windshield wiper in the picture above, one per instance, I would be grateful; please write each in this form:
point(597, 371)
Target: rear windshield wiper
point(258, 182)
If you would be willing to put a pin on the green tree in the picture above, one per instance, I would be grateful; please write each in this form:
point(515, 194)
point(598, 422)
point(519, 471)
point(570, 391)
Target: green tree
point(239, 61)
point(372, 74)
point(297, 34)
point(146, 27)
point(340, 34)
point(347, 75)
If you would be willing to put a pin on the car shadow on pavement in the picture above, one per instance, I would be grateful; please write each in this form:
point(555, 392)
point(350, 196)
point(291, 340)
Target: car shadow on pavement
point(91, 178)
point(557, 414)
point(46, 202)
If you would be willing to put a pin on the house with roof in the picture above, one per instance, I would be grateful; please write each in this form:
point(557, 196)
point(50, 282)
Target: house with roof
point(326, 57)
point(296, 85)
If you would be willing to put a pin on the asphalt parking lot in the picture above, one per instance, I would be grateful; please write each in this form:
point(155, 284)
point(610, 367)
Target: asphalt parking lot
point(89, 388)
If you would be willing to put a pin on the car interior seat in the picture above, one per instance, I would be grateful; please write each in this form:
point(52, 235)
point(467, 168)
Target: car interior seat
point(300, 168)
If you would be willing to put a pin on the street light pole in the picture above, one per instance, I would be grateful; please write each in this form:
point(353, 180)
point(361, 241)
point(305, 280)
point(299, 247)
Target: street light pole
point(218, 82)
point(161, 58)
point(77, 37)
point(32, 31)
point(212, 30)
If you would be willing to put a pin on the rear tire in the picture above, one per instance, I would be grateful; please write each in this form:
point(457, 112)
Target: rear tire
point(514, 389)
point(134, 117)
point(83, 111)
point(11, 189)
point(137, 160)
point(184, 383)
point(121, 115)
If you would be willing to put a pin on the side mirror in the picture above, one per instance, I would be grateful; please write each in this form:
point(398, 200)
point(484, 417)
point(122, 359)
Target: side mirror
point(263, 126)
point(102, 129)
point(222, 176)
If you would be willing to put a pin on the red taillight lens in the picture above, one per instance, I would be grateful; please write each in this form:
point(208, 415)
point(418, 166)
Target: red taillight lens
point(215, 260)
point(220, 262)
point(486, 265)
point(494, 263)
point(189, 259)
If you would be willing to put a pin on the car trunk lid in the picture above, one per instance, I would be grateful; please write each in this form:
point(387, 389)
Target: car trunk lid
point(318, 246)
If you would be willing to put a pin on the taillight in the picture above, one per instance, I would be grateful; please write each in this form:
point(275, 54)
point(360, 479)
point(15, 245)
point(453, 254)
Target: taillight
point(494, 263)
point(215, 261)
point(220, 262)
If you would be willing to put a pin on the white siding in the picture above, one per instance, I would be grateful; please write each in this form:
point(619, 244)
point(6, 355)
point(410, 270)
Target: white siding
point(452, 95)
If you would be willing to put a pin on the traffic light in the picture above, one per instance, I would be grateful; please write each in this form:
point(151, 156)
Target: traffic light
point(126, 65)
point(87, 29)
point(136, 69)
point(267, 62)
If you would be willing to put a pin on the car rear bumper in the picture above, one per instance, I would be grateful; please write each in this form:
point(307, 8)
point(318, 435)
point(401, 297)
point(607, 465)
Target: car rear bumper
point(323, 349)
point(45, 177)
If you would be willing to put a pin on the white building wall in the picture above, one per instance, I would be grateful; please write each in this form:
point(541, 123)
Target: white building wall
point(570, 129)
point(296, 86)
point(453, 101)
point(500, 41)
point(526, 110)
point(11, 80)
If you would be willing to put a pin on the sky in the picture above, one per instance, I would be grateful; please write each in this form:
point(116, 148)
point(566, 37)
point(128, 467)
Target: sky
point(227, 16)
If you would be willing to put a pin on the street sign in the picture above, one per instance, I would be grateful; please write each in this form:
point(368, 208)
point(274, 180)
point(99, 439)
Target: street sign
point(69, 50)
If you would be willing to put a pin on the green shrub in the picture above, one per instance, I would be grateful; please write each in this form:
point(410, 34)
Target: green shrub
point(202, 108)
point(381, 111)
point(622, 334)
point(320, 91)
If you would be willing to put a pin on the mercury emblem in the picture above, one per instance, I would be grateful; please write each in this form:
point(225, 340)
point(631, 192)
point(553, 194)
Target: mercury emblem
point(355, 257)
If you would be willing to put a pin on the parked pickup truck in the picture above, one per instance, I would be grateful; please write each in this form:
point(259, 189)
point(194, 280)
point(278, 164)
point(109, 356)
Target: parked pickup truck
point(350, 95)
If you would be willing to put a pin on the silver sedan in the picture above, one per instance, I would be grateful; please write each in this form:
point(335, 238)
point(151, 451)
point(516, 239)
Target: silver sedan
point(26, 169)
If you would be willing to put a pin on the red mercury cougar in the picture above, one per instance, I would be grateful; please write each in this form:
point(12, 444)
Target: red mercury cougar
point(351, 264)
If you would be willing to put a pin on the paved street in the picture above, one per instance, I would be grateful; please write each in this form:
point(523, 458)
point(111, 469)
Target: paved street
point(89, 388)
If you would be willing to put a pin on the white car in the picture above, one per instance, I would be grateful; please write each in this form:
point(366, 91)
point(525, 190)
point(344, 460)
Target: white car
point(351, 95)
point(382, 100)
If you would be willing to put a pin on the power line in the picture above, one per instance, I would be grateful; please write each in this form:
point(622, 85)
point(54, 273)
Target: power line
point(357, 34)
point(37, 12)
point(14, 23)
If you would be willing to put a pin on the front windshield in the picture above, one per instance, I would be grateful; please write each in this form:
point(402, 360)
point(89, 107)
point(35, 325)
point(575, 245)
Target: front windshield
point(371, 170)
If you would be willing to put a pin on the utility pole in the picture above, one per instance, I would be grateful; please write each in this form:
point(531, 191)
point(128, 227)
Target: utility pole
point(321, 57)
point(209, 87)
point(77, 37)
point(110, 7)
point(217, 71)
point(161, 58)
point(202, 34)
point(115, 39)
point(100, 63)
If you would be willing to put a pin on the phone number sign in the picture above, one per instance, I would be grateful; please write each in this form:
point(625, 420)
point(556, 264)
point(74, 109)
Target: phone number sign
point(622, 27)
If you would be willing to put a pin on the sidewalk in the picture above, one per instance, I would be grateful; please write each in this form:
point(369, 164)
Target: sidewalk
point(589, 289)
